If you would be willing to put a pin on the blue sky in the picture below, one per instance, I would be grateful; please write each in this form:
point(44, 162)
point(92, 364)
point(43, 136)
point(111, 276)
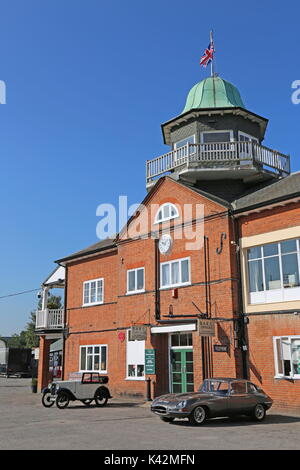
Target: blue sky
point(88, 85)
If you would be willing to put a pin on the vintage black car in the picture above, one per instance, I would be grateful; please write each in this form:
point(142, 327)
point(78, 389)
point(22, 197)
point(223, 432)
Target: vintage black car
point(216, 397)
point(91, 387)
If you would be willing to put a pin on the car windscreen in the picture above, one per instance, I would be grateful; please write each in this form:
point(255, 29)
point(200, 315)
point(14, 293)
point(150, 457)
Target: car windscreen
point(219, 387)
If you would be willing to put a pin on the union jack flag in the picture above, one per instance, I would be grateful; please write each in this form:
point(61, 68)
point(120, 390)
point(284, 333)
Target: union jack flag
point(208, 55)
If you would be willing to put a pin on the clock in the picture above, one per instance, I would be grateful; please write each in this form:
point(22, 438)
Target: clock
point(165, 244)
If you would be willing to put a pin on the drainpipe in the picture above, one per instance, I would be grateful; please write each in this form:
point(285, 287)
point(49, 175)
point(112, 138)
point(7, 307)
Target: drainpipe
point(65, 323)
point(157, 280)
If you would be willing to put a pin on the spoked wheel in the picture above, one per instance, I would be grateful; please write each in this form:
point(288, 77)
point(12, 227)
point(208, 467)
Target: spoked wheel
point(100, 398)
point(62, 400)
point(46, 400)
point(87, 402)
point(198, 416)
point(167, 420)
point(259, 413)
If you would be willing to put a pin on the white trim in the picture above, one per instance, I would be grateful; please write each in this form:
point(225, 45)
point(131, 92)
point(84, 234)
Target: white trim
point(216, 132)
point(181, 140)
point(179, 284)
point(89, 282)
point(277, 375)
point(173, 329)
point(165, 219)
point(136, 291)
point(100, 353)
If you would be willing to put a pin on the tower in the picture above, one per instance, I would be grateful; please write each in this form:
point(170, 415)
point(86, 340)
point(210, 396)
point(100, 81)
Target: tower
point(217, 141)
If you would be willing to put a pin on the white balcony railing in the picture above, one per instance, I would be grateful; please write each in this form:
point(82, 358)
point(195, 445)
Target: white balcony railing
point(49, 319)
point(219, 155)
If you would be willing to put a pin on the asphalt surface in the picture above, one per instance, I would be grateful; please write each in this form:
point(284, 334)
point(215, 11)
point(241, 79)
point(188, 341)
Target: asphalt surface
point(127, 425)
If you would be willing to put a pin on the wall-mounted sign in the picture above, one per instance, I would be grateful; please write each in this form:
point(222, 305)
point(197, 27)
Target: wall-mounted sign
point(150, 361)
point(221, 348)
point(138, 333)
point(206, 327)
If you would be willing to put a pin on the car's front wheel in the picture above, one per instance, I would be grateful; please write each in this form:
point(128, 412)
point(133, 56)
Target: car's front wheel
point(62, 400)
point(198, 416)
point(46, 399)
point(259, 413)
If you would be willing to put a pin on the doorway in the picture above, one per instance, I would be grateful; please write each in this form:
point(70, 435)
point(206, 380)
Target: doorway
point(181, 363)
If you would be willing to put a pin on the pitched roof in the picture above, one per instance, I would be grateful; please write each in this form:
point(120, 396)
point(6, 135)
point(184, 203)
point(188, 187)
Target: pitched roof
point(283, 189)
point(95, 248)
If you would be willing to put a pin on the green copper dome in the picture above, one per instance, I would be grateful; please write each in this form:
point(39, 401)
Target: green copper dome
point(213, 92)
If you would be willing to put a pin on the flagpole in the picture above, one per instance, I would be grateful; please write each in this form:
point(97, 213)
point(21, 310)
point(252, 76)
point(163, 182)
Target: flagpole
point(212, 68)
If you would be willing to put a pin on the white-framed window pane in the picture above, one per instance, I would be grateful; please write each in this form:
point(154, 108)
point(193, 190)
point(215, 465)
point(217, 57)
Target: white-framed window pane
point(211, 137)
point(295, 345)
point(279, 357)
point(166, 213)
point(99, 291)
point(290, 270)
point(254, 253)
point(185, 275)
point(288, 246)
point(256, 276)
point(140, 370)
point(89, 363)
point(96, 362)
point(175, 273)
point(103, 358)
point(165, 274)
point(86, 293)
point(131, 370)
point(131, 281)
point(271, 249)
point(140, 279)
point(272, 273)
point(83, 359)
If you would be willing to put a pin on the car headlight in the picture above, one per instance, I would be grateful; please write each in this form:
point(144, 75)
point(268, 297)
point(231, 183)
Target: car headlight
point(181, 404)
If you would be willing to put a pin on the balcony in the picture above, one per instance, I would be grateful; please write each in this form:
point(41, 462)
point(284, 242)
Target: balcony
point(49, 319)
point(239, 159)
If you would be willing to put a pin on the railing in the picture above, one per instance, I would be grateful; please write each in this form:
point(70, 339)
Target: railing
point(49, 319)
point(220, 154)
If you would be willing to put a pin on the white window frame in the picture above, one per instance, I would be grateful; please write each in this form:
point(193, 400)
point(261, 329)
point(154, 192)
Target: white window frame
point(176, 147)
point(179, 284)
point(93, 354)
point(135, 378)
point(215, 132)
point(279, 375)
point(89, 282)
point(255, 139)
point(135, 291)
point(164, 219)
point(282, 294)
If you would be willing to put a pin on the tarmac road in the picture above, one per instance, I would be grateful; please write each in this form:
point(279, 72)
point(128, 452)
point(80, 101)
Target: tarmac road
point(127, 424)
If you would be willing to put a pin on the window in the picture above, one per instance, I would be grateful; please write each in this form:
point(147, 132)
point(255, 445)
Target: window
point(273, 272)
point(238, 388)
point(93, 358)
point(210, 137)
point(167, 211)
point(175, 273)
point(93, 292)
point(183, 142)
point(246, 137)
point(287, 356)
point(135, 359)
point(135, 280)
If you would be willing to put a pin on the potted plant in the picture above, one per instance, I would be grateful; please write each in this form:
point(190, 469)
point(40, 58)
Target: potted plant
point(34, 384)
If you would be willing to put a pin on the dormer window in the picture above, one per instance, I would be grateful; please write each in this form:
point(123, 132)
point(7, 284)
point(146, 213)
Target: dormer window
point(166, 212)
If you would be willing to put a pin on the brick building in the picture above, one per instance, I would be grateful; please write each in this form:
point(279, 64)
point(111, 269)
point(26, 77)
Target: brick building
point(195, 250)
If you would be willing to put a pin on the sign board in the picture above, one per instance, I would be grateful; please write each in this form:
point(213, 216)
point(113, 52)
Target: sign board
point(150, 361)
point(221, 348)
point(36, 353)
point(206, 327)
point(138, 333)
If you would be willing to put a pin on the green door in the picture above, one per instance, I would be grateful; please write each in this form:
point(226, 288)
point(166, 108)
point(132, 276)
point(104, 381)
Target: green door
point(182, 370)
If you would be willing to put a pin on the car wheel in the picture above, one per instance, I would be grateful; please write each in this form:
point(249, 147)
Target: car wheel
point(46, 400)
point(62, 400)
point(87, 402)
point(166, 420)
point(198, 416)
point(259, 413)
point(100, 398)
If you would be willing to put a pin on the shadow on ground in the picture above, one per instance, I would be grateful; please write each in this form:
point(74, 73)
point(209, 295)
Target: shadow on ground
point(241, 421)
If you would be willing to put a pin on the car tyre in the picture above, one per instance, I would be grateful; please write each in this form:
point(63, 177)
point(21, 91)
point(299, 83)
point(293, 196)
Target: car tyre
point(166, 420)
point(101, 398)
point(45, 400)
point(62, 400)
point(198, 416)
point(259, 413)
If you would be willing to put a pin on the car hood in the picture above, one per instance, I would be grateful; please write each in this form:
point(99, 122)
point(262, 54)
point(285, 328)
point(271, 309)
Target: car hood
point(177, 397)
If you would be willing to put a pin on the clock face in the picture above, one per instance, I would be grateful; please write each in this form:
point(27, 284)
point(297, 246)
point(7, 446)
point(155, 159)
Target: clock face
point(165, 244)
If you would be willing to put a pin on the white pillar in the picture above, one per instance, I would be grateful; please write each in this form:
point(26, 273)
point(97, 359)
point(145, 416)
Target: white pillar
point(45, 297)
